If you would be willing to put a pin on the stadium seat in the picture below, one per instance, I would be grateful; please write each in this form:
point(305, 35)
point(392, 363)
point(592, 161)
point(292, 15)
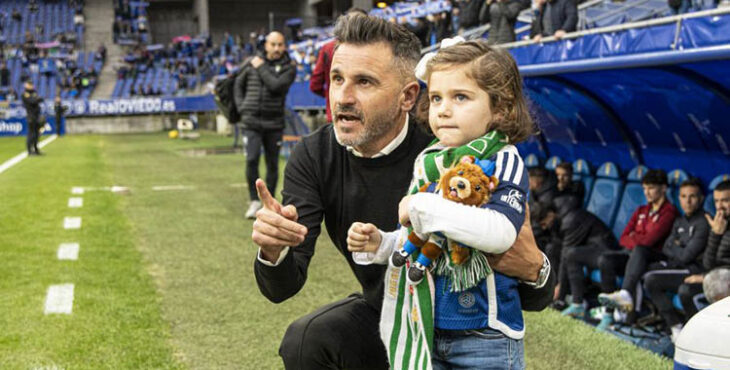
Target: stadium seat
point(532, 161)
point(633, 197)
point(676, 178)
point(582, 172)
point(604, 199)
point(709, 199)
point(552, 162)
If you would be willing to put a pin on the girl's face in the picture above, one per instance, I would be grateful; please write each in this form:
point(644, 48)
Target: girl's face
point(459, 109)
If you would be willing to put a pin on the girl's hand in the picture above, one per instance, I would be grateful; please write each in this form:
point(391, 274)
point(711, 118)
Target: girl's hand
point(363, 238)
point(403, 218)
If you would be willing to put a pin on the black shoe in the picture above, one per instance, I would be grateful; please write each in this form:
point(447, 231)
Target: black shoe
point(398, 259)
point(416, 273)
point(38, 152)
point(559, 305)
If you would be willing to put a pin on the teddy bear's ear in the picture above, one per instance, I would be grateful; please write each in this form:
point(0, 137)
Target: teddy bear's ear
point(467, 159)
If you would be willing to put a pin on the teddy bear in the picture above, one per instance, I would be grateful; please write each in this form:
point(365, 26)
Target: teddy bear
point(468, 183)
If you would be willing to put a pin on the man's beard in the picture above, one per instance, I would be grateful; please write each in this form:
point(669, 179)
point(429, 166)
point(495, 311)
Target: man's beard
point(373, 128)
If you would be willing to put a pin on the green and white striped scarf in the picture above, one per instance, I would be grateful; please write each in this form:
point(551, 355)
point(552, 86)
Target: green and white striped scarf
point(406, 324)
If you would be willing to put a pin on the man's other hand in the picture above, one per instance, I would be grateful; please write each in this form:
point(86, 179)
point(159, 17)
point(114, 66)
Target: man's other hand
point(275, 227)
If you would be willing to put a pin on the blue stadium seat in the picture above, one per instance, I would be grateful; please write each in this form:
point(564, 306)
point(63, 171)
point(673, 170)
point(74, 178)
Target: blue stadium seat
point(604, 199)
point(709, 199)
point(532, 161)
point(552, 162)
point(582, 172)
point(633, 197)
point(595, 276)
point(676, 178)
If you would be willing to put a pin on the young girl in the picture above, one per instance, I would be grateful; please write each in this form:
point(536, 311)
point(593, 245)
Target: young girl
point(476, 107)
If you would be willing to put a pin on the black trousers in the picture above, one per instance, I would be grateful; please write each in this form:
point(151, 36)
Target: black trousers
point(637, 265)
point(31, 139)
point(341, 335)
point(271, 142)
point(662, 283)
point(687, 294)
point(575, 258)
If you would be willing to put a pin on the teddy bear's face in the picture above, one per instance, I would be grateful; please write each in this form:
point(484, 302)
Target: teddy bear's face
point(467, 184)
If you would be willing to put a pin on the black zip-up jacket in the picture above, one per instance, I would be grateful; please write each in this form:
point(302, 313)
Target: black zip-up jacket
point(32, 103)
point(564, 16)
point(717, 253)
point(688, 239)
point(260, 93)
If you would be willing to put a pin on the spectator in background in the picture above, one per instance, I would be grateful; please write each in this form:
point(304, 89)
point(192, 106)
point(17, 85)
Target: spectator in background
point(469, 14)
point(260, 92)
point(4, 75)
point(32, 104)
point(542, 192)
point(59, 110)
point(642, 242)
point(554, 18)
point(566, 185)
point(502, 15)
point(16, 15)
point(682, 254)
point(420, 28)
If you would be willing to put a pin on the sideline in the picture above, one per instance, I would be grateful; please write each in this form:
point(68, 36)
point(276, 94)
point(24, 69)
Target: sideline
point(15, 160)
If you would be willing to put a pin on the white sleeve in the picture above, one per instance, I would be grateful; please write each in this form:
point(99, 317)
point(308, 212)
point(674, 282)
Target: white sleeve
point(380, 257)
point(282, 255)
point(480, 228)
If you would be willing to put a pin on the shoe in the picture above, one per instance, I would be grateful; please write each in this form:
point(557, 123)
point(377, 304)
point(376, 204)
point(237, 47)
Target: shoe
point(559, 305)
point(575, 310)
point(676, 330)
point(620, 300)
point(416, 273)
point(398, 258)
point(606, 322)
point(252, 209)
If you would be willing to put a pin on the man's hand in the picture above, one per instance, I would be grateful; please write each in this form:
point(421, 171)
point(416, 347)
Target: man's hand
point(719, 223)
point(363, 238)
point(537, 38)
point(523, 260)
point(256, 62)
point(694, 279)
point(403, 218)
point(275, 227)
point(548, 221)
point(559, 34)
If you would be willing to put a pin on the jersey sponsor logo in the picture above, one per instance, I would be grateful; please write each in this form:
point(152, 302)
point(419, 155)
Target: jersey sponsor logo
point(466, 299)
point(513, 199)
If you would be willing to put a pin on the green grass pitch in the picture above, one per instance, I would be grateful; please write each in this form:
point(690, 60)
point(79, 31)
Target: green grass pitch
point(164, 278)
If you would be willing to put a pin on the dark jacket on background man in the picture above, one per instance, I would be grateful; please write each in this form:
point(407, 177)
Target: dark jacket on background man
point(563, 16)
point(717, 253)
point(688, 239)
point(469, 16)
point(502, 17)
point(260, 93)
point(32, 103)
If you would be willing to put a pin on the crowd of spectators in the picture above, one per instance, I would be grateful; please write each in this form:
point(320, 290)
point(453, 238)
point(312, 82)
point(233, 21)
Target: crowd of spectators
point(130, 25)
point(660, 253)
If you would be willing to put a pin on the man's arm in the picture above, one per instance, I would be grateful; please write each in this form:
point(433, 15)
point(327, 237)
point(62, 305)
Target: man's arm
point(278, 282)
point(239, 90)
point(656, 231)
point(277, 83)
point(627, 237)
point(317, 80)
point(571, 17)
point(696, 244)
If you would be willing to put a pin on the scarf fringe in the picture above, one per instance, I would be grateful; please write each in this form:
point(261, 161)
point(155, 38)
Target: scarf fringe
point(465, 276)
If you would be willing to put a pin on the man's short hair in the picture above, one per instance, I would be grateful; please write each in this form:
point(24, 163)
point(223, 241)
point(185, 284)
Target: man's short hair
point(692, 181)
point(725, 185)
point(567, 166)
point(359, 29)
point(537, 173)
point(654, 177)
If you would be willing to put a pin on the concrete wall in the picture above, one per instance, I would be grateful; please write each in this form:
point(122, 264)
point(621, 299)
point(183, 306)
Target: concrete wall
point(132, 124)
point(243, 17)
point(169, 19)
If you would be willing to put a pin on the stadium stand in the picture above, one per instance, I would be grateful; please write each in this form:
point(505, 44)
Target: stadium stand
point(606, 192)
point(632, 198)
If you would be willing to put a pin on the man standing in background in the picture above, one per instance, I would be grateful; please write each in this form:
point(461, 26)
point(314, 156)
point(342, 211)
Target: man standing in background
point(260, 93)
point(32, 103)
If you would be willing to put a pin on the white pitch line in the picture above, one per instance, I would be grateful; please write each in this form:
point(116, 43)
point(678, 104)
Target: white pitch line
point(59, 299)
point(15, 160)
point(78, 190)
point(72, 223)
point(172, 187)
point(68, 251)
point(75, 202)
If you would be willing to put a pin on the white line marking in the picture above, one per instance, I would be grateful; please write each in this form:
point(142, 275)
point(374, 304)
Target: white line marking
point(15, 160)
point(59, 299)
point(68, 251)
point(172, 187)
point(72, 222)
point(77, 190)
point(75, 202)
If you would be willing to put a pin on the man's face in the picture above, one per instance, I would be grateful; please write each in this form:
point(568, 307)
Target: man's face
point(274, 46)
point(535, 182)
point(653, 192)
point(690, 199)
point(564, 178)
point(365, 93)
point(722, 201)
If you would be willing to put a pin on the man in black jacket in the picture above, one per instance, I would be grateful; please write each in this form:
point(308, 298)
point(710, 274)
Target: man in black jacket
point(554, 18)
point(683, 252)
point(32, 103)
point(357, 169)
point(260, 92)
